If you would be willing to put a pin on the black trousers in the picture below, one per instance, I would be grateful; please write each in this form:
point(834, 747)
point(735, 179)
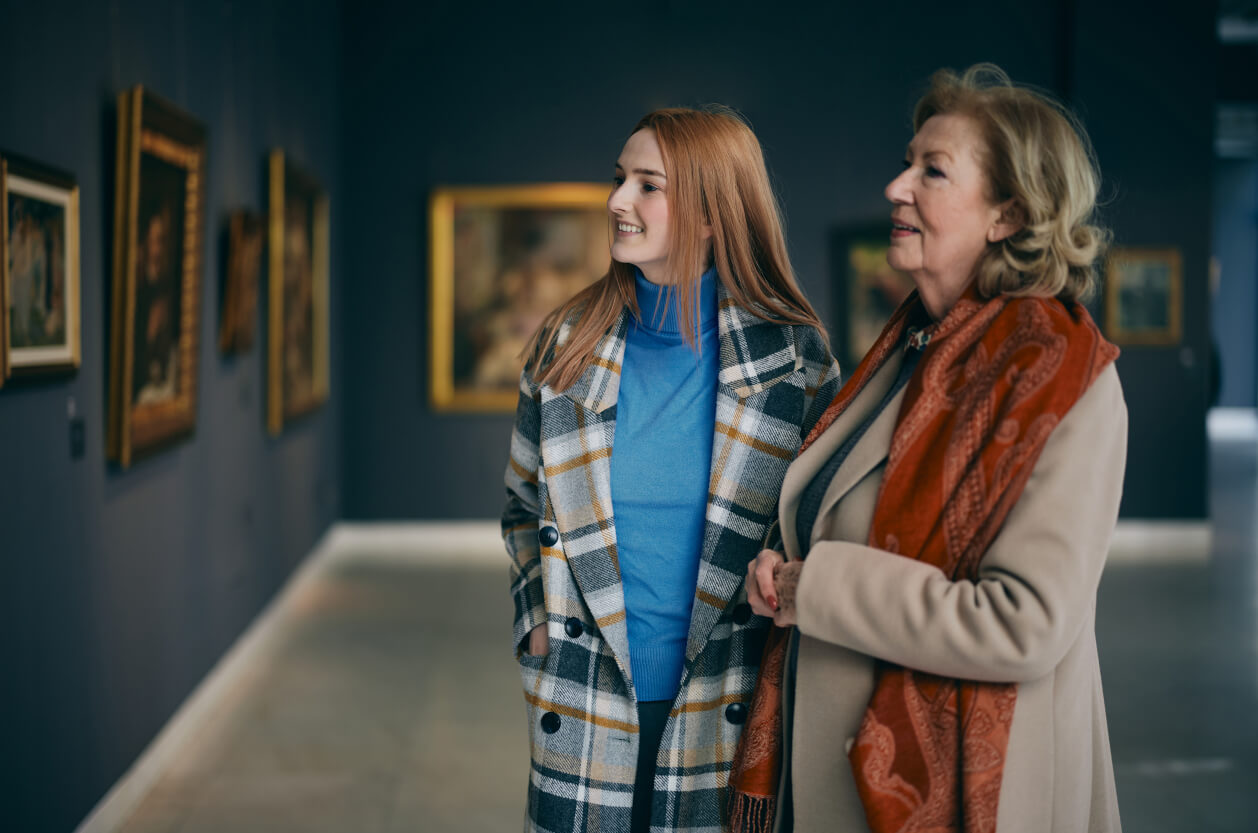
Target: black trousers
point(652, 715)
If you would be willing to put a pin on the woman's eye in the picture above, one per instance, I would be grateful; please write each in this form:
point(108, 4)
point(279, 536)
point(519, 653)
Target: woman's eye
point(618, 180)
point(932, 171)
point(646, 186)
point(906, 164)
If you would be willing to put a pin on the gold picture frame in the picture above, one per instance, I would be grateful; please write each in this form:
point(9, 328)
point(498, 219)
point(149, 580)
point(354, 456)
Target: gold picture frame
point(40, 286)
point(159, 235)
point(501, 258)
point(1144, 296)
point(297, 314)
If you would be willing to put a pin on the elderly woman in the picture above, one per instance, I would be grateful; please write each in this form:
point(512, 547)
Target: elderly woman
point(944, 528)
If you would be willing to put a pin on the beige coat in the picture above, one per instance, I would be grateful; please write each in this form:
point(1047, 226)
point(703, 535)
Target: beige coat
point(1030, 619)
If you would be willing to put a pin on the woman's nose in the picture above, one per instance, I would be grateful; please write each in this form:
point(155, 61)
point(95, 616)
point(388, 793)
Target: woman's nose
point(616, 200)
point(897, 190)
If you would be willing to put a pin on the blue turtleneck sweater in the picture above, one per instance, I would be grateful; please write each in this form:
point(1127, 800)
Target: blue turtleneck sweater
point(661, 460)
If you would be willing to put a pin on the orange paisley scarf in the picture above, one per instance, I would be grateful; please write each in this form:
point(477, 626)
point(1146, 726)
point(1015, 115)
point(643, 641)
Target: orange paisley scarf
point(994, 379)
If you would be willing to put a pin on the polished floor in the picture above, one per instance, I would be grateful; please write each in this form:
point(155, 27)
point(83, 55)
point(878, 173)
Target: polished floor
point(378, 693)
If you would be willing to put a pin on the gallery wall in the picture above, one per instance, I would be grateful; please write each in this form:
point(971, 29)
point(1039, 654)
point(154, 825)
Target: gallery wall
point(1234, 305)
point(448, 94)
point(122, 588)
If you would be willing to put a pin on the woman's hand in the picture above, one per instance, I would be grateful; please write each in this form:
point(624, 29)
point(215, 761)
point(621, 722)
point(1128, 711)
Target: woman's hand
point(539, 643)
point(771, 584)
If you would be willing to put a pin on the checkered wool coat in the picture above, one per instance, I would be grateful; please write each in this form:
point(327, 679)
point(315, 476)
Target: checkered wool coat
point(773, 384)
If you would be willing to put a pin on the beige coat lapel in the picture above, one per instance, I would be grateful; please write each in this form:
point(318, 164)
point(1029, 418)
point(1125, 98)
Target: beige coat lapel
point(868, 452)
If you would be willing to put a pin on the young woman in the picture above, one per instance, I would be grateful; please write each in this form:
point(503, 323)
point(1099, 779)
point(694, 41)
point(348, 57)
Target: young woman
point(658, 412)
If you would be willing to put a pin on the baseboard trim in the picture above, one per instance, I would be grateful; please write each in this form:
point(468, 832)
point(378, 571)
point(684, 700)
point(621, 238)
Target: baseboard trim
point(1160, 542)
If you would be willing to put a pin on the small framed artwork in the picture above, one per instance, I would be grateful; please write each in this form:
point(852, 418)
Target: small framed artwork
point(297, 331)
point(245, 242)
point(159, 234)
point(39, 269)
point(502, 258)
point(1143, 296)
point(867, 289)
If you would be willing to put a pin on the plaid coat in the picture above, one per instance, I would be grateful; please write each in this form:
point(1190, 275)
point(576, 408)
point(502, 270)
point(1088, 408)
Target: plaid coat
point(774, 382)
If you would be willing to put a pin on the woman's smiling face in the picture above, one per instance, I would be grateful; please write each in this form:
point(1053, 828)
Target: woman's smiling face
point(944, 216)
point(638, 205)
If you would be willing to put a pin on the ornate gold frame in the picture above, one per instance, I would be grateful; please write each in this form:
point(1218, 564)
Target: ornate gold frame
point(36, 180)
point(149, 125)
point(1164, 257)
point(442, 392)
point(285, 179)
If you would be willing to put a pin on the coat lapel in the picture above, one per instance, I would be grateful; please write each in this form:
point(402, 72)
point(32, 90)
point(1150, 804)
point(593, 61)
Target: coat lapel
point(868, 452)
point(578, 475)
point(751, 449)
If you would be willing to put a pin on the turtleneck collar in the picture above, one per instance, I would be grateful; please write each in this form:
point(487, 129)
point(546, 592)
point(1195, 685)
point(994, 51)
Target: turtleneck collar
point(664, 320)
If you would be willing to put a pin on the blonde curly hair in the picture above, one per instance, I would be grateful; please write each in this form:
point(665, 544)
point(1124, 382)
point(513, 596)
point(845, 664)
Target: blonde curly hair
point(1037, 155)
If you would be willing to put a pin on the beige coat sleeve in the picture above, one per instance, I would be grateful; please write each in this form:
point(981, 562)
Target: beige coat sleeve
point(1036, 584)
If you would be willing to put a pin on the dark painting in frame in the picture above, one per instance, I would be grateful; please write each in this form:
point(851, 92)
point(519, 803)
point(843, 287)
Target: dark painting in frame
point(159, 234)
point(297, 320)
point(40, 287)
point(1143, 296)
point(866, 289)
point(246, 240)
point(503, 257)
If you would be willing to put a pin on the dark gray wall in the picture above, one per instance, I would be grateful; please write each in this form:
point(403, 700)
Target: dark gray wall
point(1235, 302)
point(1150, 110)
point(455, 94)
point(121, 589)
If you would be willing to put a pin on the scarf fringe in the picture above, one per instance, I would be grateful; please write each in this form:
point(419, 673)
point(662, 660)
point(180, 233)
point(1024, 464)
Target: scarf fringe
point(752, 813)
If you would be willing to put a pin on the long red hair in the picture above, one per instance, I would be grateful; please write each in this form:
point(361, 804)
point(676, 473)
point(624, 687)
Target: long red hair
point(716, 175)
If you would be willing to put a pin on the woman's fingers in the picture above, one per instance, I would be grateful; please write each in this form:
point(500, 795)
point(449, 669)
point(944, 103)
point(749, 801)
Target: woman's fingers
point(760, 591)
point(759, 606)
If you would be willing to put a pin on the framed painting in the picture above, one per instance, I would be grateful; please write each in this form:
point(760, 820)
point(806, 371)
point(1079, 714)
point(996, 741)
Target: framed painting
point(159, 235)
point(502, 258)
point(867, 289)
point(1143, 296)
point(297, 320)
point(244, 244)
point(39, 269)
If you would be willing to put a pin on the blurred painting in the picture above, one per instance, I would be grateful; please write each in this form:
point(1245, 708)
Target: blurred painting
point(502, 259)
point(245, 239)
point(158, 283)
point(39, 269)
point(297, 358)
point(867, 289)
point(159, 234)
point(1142, 296)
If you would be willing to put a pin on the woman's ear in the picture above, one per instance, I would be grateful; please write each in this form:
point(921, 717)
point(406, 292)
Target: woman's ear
point(1010, 221)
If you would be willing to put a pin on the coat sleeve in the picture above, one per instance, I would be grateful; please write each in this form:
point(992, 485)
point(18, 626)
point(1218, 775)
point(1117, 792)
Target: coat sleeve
point(1037, 583)
point(821, 378)
point(521, 514)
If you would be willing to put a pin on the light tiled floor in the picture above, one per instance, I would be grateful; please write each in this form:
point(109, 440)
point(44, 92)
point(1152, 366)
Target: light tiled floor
point(389, 701)
point(1179, 660)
